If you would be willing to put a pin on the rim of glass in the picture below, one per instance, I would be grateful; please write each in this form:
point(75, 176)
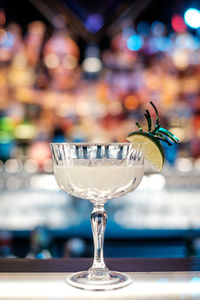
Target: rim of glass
point(95, 144)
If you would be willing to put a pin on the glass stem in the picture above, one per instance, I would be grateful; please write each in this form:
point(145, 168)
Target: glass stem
point(98, 222)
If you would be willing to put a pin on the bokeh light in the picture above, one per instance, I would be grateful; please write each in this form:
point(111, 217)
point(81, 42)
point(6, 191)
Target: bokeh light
point(13, 165)
point(162, 43)
point(187, 41)
point(180, 59)
point(143, 28)
point(178, 23)
point(51, 61)
point(92, 65)
point(134, 42)
point(115, 108)
point(158, 28)
point(192, 17)
point(25, 131)
point(184, 164)
point(94, 22)
point(156, 181)
point(70, 62)
point(131, 102)
point(30, 166)
point(39, 152)
point(8, 40)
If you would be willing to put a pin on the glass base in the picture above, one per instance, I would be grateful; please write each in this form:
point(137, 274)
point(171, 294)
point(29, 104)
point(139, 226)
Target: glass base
point(100, 281)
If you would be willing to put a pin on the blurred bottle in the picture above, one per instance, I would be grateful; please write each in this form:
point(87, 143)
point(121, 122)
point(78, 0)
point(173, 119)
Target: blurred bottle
point(40, 242)
point(39, 151)
point(33, 41)
point(59, 135)
point(74, 247)
point(25, 132)
point(189, 243)
point(197, 246)
point(6, 250)
point(7, 143)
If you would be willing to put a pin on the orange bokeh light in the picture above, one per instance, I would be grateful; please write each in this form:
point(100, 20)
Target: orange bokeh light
point(131, 102)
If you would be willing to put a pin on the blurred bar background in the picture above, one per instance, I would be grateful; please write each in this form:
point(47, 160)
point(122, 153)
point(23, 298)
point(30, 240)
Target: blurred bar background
point(85, 71)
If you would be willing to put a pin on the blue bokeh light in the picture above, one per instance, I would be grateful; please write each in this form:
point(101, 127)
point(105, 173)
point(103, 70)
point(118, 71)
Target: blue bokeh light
point(158, 28)
point(187, 41)
point(8, 41)
point(94, 22)
point(162, 43)
point(192, 17)
point(143, 28)
point(134, 42)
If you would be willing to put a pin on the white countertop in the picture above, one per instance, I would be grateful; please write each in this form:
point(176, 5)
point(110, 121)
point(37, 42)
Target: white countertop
point(52, 286)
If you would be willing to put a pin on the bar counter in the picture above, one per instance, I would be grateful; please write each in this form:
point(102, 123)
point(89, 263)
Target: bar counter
point(16, 265)
point(155, 278)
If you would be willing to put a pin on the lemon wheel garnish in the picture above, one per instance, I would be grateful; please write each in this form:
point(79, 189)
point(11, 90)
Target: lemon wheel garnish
point(151, 148)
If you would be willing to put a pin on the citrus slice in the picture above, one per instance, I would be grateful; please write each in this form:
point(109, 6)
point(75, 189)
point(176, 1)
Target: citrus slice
point(150, 146)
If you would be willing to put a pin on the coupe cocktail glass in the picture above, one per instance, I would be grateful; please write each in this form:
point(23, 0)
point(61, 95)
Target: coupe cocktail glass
point(98, 172)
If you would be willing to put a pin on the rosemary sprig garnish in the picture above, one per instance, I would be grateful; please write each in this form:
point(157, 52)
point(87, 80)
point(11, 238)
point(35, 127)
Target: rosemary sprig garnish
point(148, 117)
point(162, 138)
point(139, 126)
point(160, 133)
